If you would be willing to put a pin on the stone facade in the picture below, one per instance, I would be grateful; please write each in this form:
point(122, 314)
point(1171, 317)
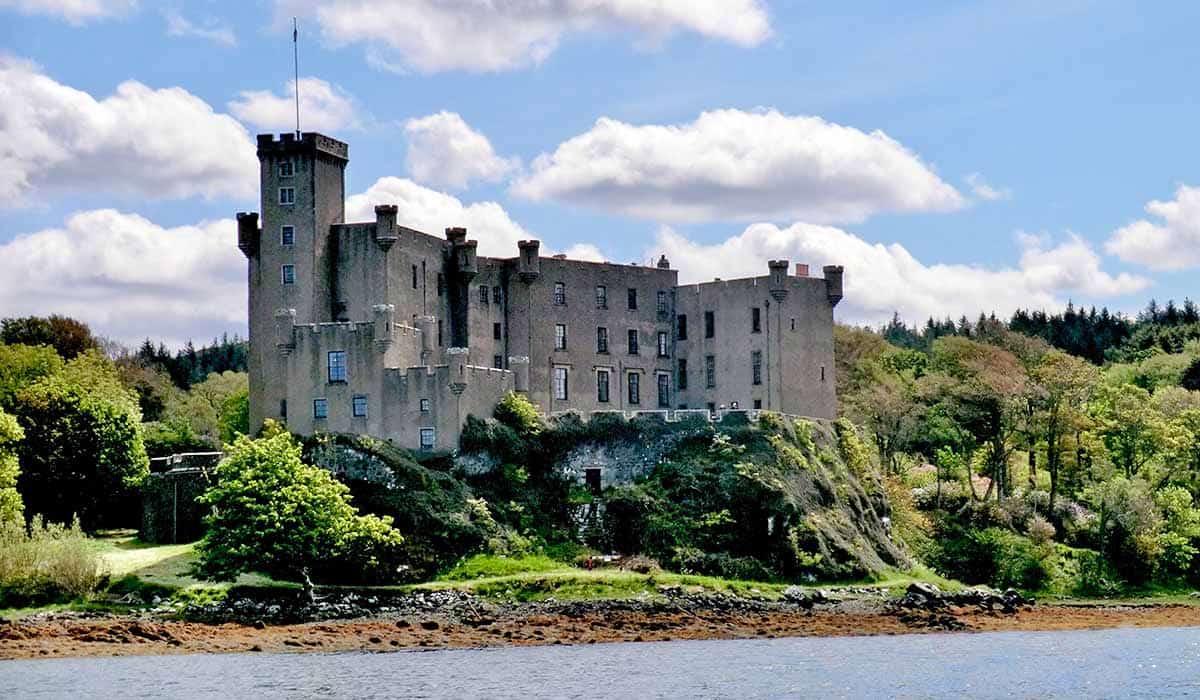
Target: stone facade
point(380, 329)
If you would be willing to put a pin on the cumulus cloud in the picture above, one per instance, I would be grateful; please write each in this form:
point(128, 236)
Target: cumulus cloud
point(128, 277)
point(737, 166)
point(883, 279)
point(481, 35)
point(1172, 244)
point(153, 143)
point(178, 25)
point(73, 11)
point(323, 107)
point(432, 212)
point(981, 189)
point(444, 150)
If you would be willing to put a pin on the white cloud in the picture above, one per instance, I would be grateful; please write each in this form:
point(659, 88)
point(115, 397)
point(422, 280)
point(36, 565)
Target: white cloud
point(323, 107)
point(981, 189)
point(141, 141)
point(128, 277)
point(737, 166)
point(178, 25)
point(433, 212)
point(882, 279)
point(484, 35)
point(73, 11)
point(444, 150)
point(1173, 244)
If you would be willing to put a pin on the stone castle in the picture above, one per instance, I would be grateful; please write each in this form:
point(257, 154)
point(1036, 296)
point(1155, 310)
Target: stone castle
point(378, 329)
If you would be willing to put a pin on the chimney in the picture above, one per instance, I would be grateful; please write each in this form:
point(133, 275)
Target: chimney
point(802, 269)
point(456, 235)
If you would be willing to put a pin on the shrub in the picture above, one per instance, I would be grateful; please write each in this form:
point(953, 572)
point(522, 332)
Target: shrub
point(45, 563)
point(993, 556)
point(11, 506)
point(273, 513)
point(1040, 530)
point(518, 413)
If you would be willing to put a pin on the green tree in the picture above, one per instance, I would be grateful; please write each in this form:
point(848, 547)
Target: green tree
point(206, 404)
point(22, 365)
point(11, 506)
point(273, 513)
point(1130, 425)
point(235, 416)
point(82, 453)
point(67, 336)
point(1065, 384)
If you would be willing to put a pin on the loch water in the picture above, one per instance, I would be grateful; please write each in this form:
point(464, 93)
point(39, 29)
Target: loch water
point(1121, 663)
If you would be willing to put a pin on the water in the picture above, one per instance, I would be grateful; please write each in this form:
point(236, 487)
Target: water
point(1125, 663)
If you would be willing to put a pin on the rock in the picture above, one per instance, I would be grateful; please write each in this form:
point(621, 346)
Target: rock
point(403, 624)
point(260, 625)
point(926, 589)
point(429, 625)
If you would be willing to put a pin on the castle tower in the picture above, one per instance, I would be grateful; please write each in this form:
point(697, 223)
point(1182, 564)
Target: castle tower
point(302, 181)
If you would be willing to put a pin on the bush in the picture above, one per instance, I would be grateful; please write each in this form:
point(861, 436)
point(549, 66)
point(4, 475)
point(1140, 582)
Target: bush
point(993, 556)
point(46, 563)
point(11, 506)
point(518, 413)
point(273, 513)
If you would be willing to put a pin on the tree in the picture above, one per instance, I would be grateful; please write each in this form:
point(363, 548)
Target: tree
point(67, 336)
point(235, 416)
point(11, 506)
point(273, 513)
point(1131, 427)
point(204, 405)
point(1066, 384)
point(82, 452)
point(22, 365)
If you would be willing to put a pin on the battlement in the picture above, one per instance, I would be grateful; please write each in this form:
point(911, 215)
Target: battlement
point(309, 142)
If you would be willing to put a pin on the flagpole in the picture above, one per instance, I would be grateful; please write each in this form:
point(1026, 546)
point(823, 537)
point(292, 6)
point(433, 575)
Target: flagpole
point(296, 65)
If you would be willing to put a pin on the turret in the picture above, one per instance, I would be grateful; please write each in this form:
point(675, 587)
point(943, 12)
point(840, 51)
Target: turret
point(384, 318)
point(663, 263)
point(530, 265)
point(456, 235)
point(457, 358)
point(520, 368)
point(466, 259)
point(285, 328)
point(778, 283)
point(249, 233)
point(833, 283)
point(386, 233)
point(426, 326)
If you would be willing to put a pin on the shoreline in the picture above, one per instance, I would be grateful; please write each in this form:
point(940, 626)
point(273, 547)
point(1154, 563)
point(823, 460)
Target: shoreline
point(62, 635)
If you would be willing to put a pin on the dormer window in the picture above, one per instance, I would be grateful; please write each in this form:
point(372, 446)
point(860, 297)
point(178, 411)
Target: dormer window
point(287, 168)
point(287, 235)
point(287, 195)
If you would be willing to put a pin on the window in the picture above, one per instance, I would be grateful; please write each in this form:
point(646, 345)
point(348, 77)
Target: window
point(635, 390)
point(560, 294)
point(498, 361)
point(822, 372)
point(320, 408)
point(560, 336)
point(414, 276)
point(710, 324)
point(602, 340)
point(497, 331)
point(425, 407)
point(337, 366)
point(287, 195)
point(484, 296)
point(793, 324)
point(710, 371)
point(662, 344)
point(428, 438)
point(602, 386)
point(681, 375)
point(287, 274)
point(560, 383)
point(756, 320)
point(496, 294)
point(286, 168)
point(358, 406)
point(633, 341)
point(441, 284)
point(757, 404)
point(287, 235)
point(662, 303)
point(632, 299)
point(756, 367)
point(283, 409)
point(681, 327)
point(601, 297)
point(664, 390)
point(439, 332)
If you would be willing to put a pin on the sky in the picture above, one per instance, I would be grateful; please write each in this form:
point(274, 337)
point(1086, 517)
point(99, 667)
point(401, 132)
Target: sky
point(954, 157)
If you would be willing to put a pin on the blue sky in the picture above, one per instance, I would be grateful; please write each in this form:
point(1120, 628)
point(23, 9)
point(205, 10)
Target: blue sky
point(1019, 143)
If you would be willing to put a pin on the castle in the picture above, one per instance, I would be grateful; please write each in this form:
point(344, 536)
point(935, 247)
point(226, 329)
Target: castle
point(378, 329)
